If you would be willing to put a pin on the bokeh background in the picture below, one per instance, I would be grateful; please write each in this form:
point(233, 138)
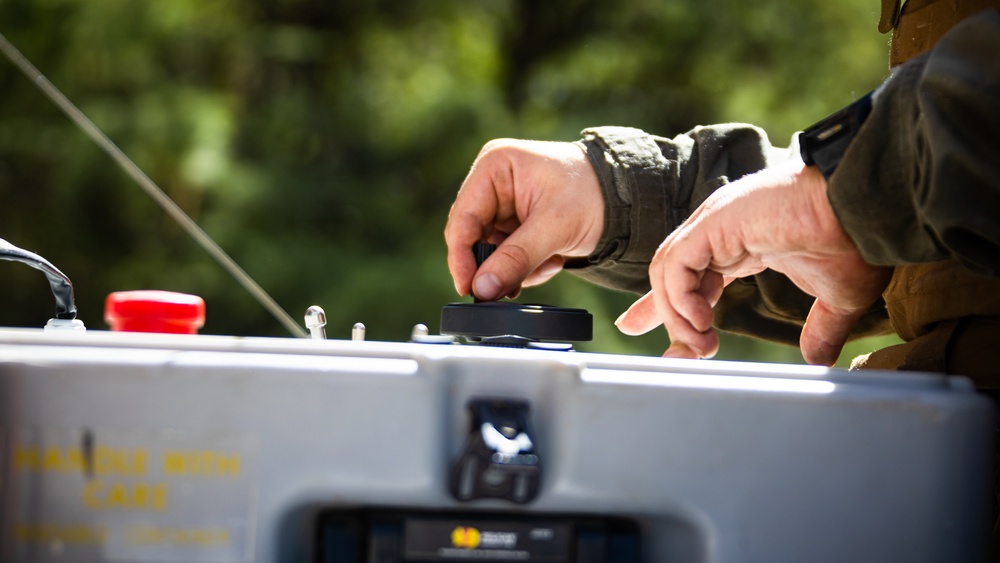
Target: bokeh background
point(321, 142)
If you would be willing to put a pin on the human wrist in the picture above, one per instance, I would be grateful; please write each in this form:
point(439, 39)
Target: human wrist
point(824, 219)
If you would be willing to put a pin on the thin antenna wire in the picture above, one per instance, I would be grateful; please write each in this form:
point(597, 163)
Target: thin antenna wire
point(150, 188)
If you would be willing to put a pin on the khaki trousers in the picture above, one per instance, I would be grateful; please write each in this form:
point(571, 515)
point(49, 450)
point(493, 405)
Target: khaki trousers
point(950, 320)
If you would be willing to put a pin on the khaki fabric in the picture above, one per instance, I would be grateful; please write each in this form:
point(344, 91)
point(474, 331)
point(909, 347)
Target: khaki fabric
point(920, 296)
point(921, 23)
point(889, 17)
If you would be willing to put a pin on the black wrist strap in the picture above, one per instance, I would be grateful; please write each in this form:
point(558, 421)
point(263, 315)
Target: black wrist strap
point(823, 144)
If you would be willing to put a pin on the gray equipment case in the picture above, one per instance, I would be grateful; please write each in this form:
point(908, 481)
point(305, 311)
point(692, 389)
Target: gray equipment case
point(135, 447)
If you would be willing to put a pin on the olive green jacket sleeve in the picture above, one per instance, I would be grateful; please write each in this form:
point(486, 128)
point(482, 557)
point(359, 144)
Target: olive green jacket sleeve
point(921, 181)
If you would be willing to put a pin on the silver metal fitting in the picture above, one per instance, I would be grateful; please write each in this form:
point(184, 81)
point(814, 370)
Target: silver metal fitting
point(315, 321)
point(358, 332)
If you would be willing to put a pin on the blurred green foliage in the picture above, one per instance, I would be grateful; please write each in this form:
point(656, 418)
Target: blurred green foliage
point(322, 142)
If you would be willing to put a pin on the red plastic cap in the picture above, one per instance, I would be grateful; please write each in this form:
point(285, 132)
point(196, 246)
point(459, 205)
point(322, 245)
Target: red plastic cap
point(154, 311)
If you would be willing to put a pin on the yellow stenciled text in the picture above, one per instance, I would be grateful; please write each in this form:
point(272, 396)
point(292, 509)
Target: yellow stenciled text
point(158, 535)
point(200, 463)
point(101, 495)
point(75, 534)
point(103, 461)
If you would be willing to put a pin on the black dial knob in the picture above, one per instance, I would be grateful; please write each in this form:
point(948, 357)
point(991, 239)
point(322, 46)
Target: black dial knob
point(482, 250)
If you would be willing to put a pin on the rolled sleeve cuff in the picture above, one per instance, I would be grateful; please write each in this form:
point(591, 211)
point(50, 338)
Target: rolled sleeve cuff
point(633, 172)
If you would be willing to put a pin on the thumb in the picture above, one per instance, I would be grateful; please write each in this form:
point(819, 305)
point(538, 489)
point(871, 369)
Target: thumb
point(825, 332)
point(514, 259)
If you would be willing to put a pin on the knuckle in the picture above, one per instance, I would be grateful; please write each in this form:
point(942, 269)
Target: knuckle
point(495, 146)
point(495, 164)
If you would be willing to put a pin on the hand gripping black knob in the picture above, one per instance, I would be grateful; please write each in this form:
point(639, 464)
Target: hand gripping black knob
point(487, 320)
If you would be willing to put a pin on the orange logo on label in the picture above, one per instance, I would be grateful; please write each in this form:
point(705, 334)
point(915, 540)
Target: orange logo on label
point(465, 537)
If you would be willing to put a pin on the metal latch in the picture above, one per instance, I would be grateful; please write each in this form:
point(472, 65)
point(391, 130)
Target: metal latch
point(498, 459)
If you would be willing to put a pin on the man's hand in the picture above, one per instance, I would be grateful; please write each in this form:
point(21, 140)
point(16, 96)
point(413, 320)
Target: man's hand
point(539, 201)
point(780, 219)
